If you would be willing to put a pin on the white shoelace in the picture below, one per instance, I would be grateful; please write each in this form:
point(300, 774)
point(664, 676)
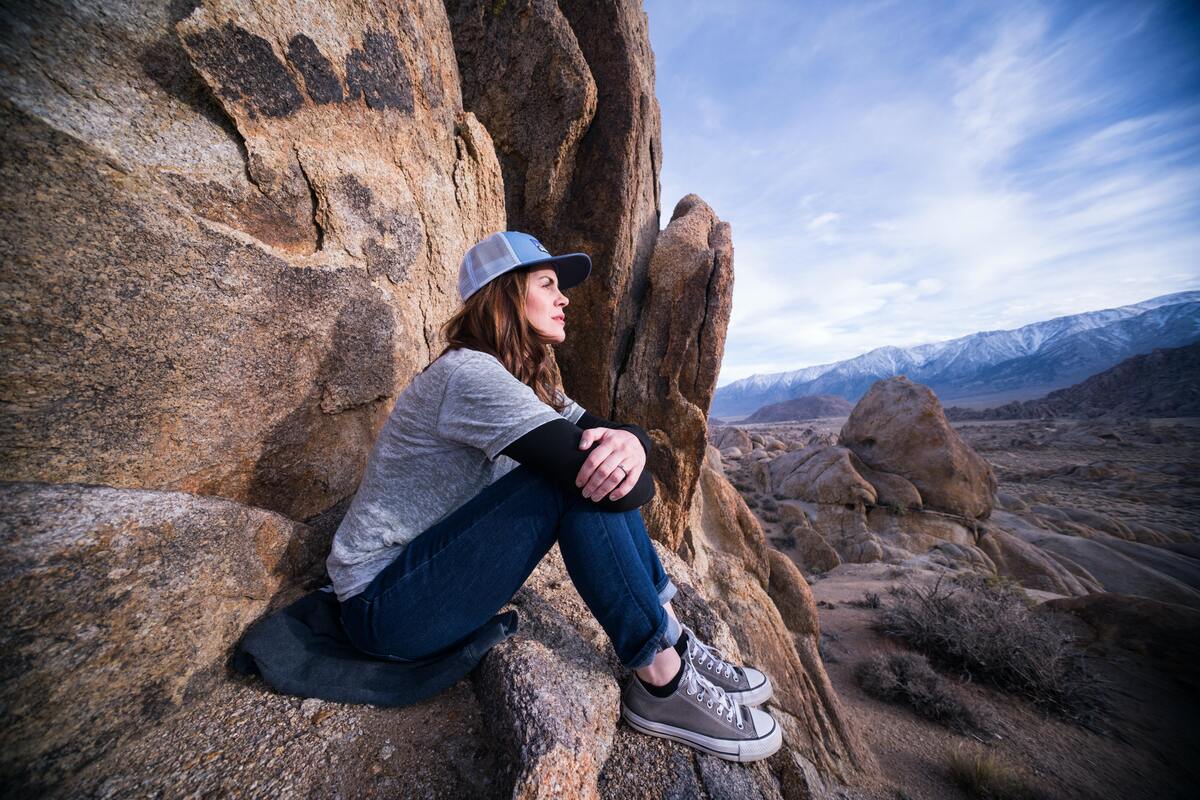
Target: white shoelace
point(721, 703)
point(710, 659)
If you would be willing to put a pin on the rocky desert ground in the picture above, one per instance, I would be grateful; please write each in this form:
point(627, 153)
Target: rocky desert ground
point(1097, 517)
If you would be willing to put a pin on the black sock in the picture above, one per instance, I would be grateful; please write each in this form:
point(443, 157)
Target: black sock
point(666, 690)
point(681, 644)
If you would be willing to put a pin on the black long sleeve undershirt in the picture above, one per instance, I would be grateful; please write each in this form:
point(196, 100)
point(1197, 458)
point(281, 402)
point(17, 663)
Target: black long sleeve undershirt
point(552, 449)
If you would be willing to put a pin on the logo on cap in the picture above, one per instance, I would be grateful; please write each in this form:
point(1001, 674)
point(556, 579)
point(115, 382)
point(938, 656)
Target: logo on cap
point(538, 245)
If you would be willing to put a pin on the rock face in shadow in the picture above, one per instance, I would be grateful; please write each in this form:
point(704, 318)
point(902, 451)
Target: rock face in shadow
point(129, 604)
point(231, 236)
point(581, 168)
point(898, 427)
point(525, 77)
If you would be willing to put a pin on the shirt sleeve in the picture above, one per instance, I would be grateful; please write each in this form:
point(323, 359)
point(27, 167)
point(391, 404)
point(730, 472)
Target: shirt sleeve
point(572, 411)
point(485, 406)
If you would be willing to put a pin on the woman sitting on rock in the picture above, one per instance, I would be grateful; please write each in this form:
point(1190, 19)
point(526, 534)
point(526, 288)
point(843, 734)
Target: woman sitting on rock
point(445, 527)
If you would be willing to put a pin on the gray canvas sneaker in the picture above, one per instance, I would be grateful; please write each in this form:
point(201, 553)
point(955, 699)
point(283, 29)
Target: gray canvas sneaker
point(744, 684)
point(702, 715)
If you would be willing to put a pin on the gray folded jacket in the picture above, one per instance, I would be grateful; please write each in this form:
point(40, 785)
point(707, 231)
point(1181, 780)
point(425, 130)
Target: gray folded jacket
point(302, 650)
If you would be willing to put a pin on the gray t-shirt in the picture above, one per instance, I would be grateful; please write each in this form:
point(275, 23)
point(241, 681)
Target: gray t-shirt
point(439, 448)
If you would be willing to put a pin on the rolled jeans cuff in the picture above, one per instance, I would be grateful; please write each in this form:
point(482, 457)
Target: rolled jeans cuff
point(666, 592)
point(670, 630)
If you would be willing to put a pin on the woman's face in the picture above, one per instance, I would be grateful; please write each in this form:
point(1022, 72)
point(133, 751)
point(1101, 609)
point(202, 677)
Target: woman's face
point(544, 305)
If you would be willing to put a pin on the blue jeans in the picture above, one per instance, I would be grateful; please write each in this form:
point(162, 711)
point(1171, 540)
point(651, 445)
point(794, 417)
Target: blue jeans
point(452, 578)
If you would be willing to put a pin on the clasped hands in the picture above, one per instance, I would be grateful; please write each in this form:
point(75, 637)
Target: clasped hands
point(599, 475)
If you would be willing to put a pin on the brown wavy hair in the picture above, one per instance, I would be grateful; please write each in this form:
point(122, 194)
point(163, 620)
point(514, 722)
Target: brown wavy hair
point(493, 320)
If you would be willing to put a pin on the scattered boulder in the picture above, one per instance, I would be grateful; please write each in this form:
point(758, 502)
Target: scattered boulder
point(731, 436)
point(898, 427)
point(891, 490)
point(813, 553)
point(820, 475)
point(1119, 566)
point(780, 636)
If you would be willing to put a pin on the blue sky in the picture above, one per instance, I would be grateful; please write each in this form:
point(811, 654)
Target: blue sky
point(907, 172)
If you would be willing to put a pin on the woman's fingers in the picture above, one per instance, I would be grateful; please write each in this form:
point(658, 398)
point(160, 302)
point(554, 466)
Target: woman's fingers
point(626, 485)
point(608, 477)
point(599, 474)
point(587, 476)
point(604, 479)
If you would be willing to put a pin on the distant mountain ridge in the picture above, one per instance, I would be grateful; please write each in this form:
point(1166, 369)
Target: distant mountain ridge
point(1024, 362)
point(1163, 383)
point(802, 408)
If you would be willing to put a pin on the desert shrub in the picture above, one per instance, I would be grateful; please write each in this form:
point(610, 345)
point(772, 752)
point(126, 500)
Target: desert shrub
point(769, 503)
point(908, 679)
point(869, 600)
point(983, 775)
point(826, 647)
point(988, 632)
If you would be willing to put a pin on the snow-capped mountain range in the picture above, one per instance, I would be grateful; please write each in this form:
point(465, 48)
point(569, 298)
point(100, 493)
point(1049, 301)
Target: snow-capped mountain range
point(990, 367)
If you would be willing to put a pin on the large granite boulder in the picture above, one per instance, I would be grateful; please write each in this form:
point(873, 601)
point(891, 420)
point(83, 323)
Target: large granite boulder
point(549, 693)
point(525, 77)
point(605, 203)
point(898, 427)
point(231, 234)
point(122, 605)
point(670, 374)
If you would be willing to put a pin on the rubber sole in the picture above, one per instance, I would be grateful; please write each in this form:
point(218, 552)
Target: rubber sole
point(742, 751)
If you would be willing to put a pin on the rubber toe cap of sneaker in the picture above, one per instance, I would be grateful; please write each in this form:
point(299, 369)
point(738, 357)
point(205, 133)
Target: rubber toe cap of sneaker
point(754, 678)
point(764, 723)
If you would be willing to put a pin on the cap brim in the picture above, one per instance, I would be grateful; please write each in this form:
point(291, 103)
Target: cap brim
point(572, 268)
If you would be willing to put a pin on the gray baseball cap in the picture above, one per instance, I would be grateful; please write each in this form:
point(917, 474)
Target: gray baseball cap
point(509, 250)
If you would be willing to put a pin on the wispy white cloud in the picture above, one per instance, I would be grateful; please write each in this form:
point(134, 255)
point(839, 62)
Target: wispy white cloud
point(898, 173)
